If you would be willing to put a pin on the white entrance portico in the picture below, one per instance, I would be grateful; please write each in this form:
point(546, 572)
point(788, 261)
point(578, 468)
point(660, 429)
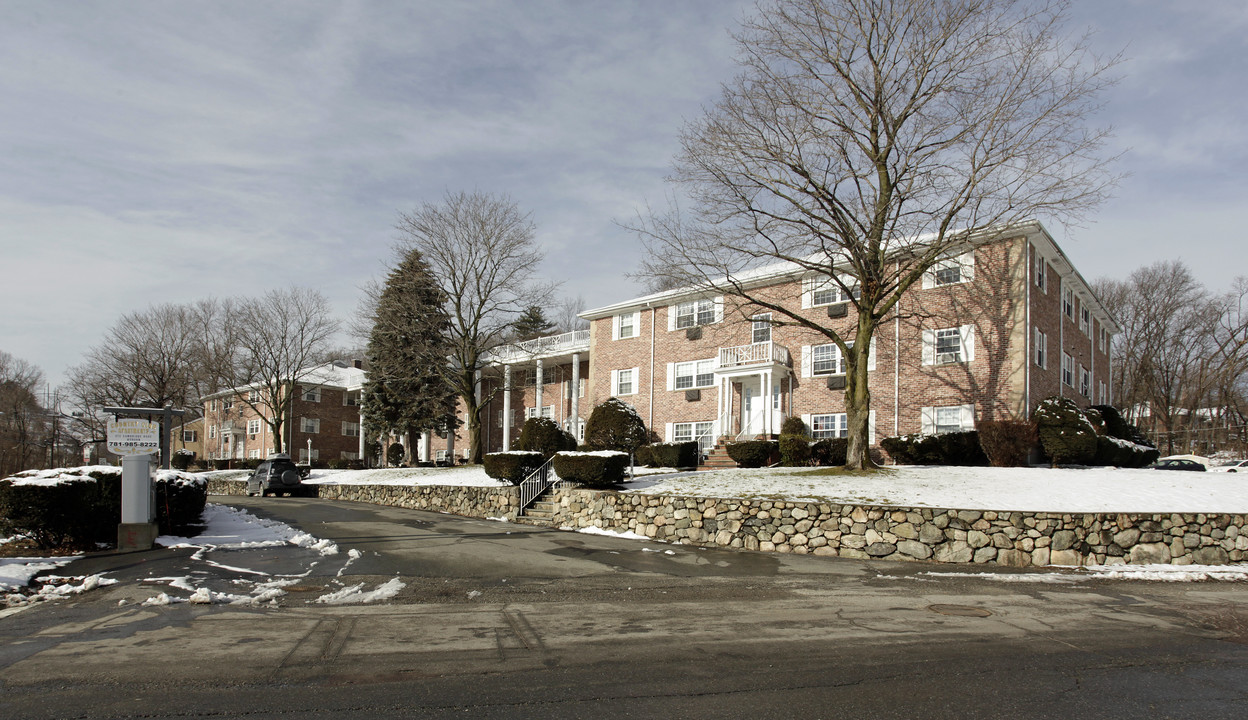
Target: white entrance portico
point(759, 370)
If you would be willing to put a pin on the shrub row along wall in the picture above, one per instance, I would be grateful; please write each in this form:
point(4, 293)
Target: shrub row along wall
point(955, 536)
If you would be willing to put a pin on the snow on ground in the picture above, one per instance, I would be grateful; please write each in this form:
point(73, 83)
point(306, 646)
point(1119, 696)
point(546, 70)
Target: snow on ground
point(231, 529)
point(356, 593)
point(464, 475)
point(16, 572)
point(1062, 490)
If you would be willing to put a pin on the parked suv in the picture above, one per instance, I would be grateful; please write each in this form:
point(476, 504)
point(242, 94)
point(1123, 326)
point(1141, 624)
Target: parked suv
point(278, 474)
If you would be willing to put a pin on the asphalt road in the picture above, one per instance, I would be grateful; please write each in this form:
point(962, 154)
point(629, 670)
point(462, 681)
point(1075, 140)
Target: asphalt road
point(499, 620)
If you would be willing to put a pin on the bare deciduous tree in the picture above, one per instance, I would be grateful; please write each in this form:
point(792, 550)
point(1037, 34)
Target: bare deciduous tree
point(280, 336)
point(863, 141)
point(23, 421)
point(483, 252)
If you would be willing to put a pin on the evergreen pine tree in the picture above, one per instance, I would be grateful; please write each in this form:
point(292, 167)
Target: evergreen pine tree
point(532, 323)
point(408, 387)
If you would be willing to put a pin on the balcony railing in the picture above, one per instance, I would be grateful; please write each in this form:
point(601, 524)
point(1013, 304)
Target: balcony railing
point(763, 353)
point(575, 341)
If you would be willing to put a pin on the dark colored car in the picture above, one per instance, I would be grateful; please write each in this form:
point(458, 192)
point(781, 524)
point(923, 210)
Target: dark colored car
point(277, 475)
point(1178, 464)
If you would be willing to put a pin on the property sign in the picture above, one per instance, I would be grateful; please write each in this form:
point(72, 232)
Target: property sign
point(130, 436)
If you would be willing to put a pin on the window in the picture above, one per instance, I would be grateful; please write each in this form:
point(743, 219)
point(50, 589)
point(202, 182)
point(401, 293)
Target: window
point(529, 379)
point(761, 328)
point(1068, 303)
point(826, 360)
point(214, 405)
point(212, 432)
point(1085, 319)
point(1102, 393)
point(828, 292)
point(253, 396)
point(1102, 339)
point(310, 425)
point(548, 412)
point(351, 398)
point(1042, 349)
point(829, 426)
point(351, 429)
point(305, 456)
point(949, 345)
point(190, 436)
point(948, 418)
point(625, 325)
point(311, 394)
point(695, 312)
point(253, 454)
point(701, 432)
point(1041, 273)
point(951, 271)
point(348, 455)
point(624, 382)
point(580, 391)
point(227, 404)
point(1085, 382)
point(1068, 370)
point(253, 427)
point(696, 374)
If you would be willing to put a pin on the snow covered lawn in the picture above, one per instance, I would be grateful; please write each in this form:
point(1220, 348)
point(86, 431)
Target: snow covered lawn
point(1064, 490)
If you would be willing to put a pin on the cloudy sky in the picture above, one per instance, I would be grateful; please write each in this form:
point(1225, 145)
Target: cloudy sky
point(158, 152)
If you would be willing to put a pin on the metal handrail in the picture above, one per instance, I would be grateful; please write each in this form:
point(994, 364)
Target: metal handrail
point(538, 482)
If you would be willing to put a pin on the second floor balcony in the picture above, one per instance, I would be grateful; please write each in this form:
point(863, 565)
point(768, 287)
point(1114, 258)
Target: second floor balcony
point(754, 355)
point(542, 347)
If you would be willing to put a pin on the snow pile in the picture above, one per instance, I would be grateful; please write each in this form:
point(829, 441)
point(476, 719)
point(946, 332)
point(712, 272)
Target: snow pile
point(91, 473)
point(626, 534)
point(231, 529)
point(468, 475)
point(356, 594)
point(16, 572)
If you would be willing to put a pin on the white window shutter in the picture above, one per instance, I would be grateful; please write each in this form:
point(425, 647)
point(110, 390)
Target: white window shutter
point(871, 357)
point(806, 361)
point(615, 327)
point(871, 427)
point(636, 323)
point(719, 308)
point(928, 415)
point(669, 433)
point(615, 382)
point(929, 279)
point(671, 376)
point(806, 419)
point(967, 261)
point(808, 291)
point(968, 342)
point(929, 347)
point(671, 318)
point(968, 417)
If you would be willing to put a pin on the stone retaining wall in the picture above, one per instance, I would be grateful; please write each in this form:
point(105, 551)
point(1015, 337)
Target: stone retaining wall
point(918, 534)
point(470, 501)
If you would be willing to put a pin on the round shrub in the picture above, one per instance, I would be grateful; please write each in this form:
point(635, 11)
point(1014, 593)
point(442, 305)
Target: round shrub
point(961, 448)
point(544, 435)
point(599, 469)
point(830, 452)
point(615, 425)
point(394, 454)
point(794, 425)
point(754, 453)
point(1007, 443)
point(181, 460)
point(1065, 434)
point(512, 467)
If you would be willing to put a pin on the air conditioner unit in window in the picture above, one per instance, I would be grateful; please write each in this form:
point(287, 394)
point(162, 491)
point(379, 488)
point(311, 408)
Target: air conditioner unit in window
point(692, 395)
point(693, 333)
point(944, 358)
point(836, 382)
point(839, 310)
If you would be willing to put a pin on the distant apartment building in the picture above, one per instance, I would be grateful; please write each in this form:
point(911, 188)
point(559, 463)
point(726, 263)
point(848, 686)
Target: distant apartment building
point(990, 331)
point(323, 423)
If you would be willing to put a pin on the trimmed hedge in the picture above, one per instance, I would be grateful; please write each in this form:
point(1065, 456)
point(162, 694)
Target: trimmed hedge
point(512, 467)
point(602, 469)
point(1007, 443)
point(614, 425)
point(955, 448)
point(830, 451)
point(83, 510)
point(754, 453)
point(673, 454)
point(545, 436)
point(795, 450)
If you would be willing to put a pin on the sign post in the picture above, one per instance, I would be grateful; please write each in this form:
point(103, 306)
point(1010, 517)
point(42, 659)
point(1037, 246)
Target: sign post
point(136, 441)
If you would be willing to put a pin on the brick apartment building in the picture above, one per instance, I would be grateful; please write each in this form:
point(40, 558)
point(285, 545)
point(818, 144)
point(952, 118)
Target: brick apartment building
point(988, 334)
point(324, 419)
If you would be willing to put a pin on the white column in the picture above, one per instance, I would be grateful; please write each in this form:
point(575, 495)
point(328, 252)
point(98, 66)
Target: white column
point(540, 381)
point(765, 381)
point(361, 443)
point(506, 408)
point(576, 394)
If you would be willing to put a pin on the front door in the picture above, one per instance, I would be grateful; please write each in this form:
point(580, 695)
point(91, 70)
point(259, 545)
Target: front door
point(753, 404)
